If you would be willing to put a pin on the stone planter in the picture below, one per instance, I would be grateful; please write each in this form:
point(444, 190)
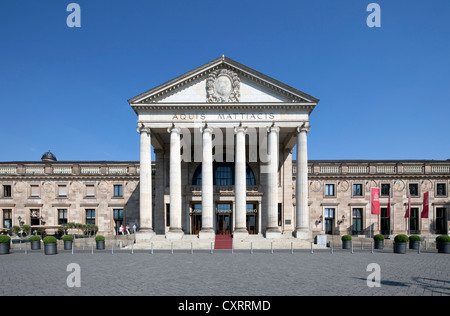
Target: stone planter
point(399, 247)
point(346, 244)
point(68, 245)
point(379, 244)
point(100, 245)
point(35, 245)
point(444, 247)
point(4, 248)
point(50, 249)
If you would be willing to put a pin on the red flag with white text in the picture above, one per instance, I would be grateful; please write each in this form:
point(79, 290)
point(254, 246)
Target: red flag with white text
point(375, 201)
point(426, 200)
point(408, 211)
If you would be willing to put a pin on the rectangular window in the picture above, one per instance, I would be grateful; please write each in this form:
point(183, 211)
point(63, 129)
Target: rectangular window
point(90, 217)
point(35, 217)
point(441, 189)
point(34, 190)
point(62, 216)
point(7, 191)
point(385, 189)
point(62, 190)
point(90, 190)
point(329, 220)
point(414, 189)
point(414, 219)
point(280, 214)
point(357, 189)
point(118, 190)
point(357, 221)
point(441, 221)
point(7, 219)
point(329, 189)
point(118, 219)
point(385, 228)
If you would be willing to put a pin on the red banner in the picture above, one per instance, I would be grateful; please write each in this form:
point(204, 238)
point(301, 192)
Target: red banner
point(426, 201)
point(408, 211)
point(375, 201)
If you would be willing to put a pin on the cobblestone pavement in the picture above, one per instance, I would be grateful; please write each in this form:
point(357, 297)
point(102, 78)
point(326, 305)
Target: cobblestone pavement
point(224, 273)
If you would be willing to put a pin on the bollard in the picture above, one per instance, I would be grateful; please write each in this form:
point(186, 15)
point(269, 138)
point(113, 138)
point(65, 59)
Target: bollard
point(352, 246)
point(132, 252)
point(418, 249)
point(171, 247)
point(292, 247)
point(112, 248)
point(331, 247)
point(151, 251)
point(192, 249)
point(271, 247)
point(211, 247)
point(232, 246)
point(371, 245)
point(73, 245)
point(92, 247)
point(251, 247)
point(26, 250)
point(312, 251)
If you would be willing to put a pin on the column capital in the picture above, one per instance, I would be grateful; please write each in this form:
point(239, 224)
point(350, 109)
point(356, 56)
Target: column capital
point(143, 129)
point(206, 129)
point(273, 128)
point(174, 129)
point(304, 128)
point(240, 129)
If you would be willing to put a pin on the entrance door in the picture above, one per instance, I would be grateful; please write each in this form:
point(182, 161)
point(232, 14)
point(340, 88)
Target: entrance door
point(196, 218)
point(252, 221)
point(223, 224)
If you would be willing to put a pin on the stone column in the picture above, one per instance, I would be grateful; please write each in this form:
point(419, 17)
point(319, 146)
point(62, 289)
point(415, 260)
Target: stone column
point(175, 231)
point(145, 184)
point(272, 230)
point(302, 229)
point(207, 230)
point(240, 183)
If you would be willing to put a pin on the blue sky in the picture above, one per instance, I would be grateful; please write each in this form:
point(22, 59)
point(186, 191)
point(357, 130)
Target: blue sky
point(384, 91)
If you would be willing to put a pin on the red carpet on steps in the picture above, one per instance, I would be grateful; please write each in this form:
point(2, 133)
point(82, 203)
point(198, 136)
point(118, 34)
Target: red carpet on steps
point(223, 242)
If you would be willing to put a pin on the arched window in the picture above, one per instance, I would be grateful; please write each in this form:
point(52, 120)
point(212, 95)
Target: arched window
point(223, 174)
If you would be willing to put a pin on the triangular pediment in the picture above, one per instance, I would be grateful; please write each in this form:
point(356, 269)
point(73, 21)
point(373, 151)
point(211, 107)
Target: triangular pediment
point(222, 80)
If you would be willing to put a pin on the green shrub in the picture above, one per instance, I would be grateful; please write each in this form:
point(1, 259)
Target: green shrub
point(401, 238)
point(68, 238)
point(49, 240)
point(35, 238)
point(346, 238)
point(414, 238)
point(99, 238)
point(4, 239)
point(442, 238)
point(378, 237)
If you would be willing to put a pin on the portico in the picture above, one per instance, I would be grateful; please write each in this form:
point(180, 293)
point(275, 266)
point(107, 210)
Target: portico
point(223, 136)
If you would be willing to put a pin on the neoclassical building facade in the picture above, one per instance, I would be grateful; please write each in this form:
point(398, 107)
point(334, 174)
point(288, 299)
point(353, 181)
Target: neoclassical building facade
point(229, 158)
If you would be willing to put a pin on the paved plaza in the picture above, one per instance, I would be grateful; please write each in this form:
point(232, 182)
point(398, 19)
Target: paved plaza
point(223, 273)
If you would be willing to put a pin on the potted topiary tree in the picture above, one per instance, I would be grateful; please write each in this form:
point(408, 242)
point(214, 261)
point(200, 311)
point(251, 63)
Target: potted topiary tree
point(400, 243)
point(5, 244)
point(50, 246)
point(379, 241)
point(68, 240)
point(443, 244)
point(414, 242)
point(100, 242)
point(346, 241)
point(35, 242)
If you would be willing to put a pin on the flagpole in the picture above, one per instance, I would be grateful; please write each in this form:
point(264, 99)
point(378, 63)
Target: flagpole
point(370, 214)
point(409, 214)
point(428, 217)
point(390, 211)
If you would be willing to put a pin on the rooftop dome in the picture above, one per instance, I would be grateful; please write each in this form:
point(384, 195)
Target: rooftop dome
point(48, 156)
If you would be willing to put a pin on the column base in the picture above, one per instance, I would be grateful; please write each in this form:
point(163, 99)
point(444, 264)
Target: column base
point(175, 234)
point(145, 234)
point(240, 233)
point(206, 234)
point(303, 234)
point(273, 233)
